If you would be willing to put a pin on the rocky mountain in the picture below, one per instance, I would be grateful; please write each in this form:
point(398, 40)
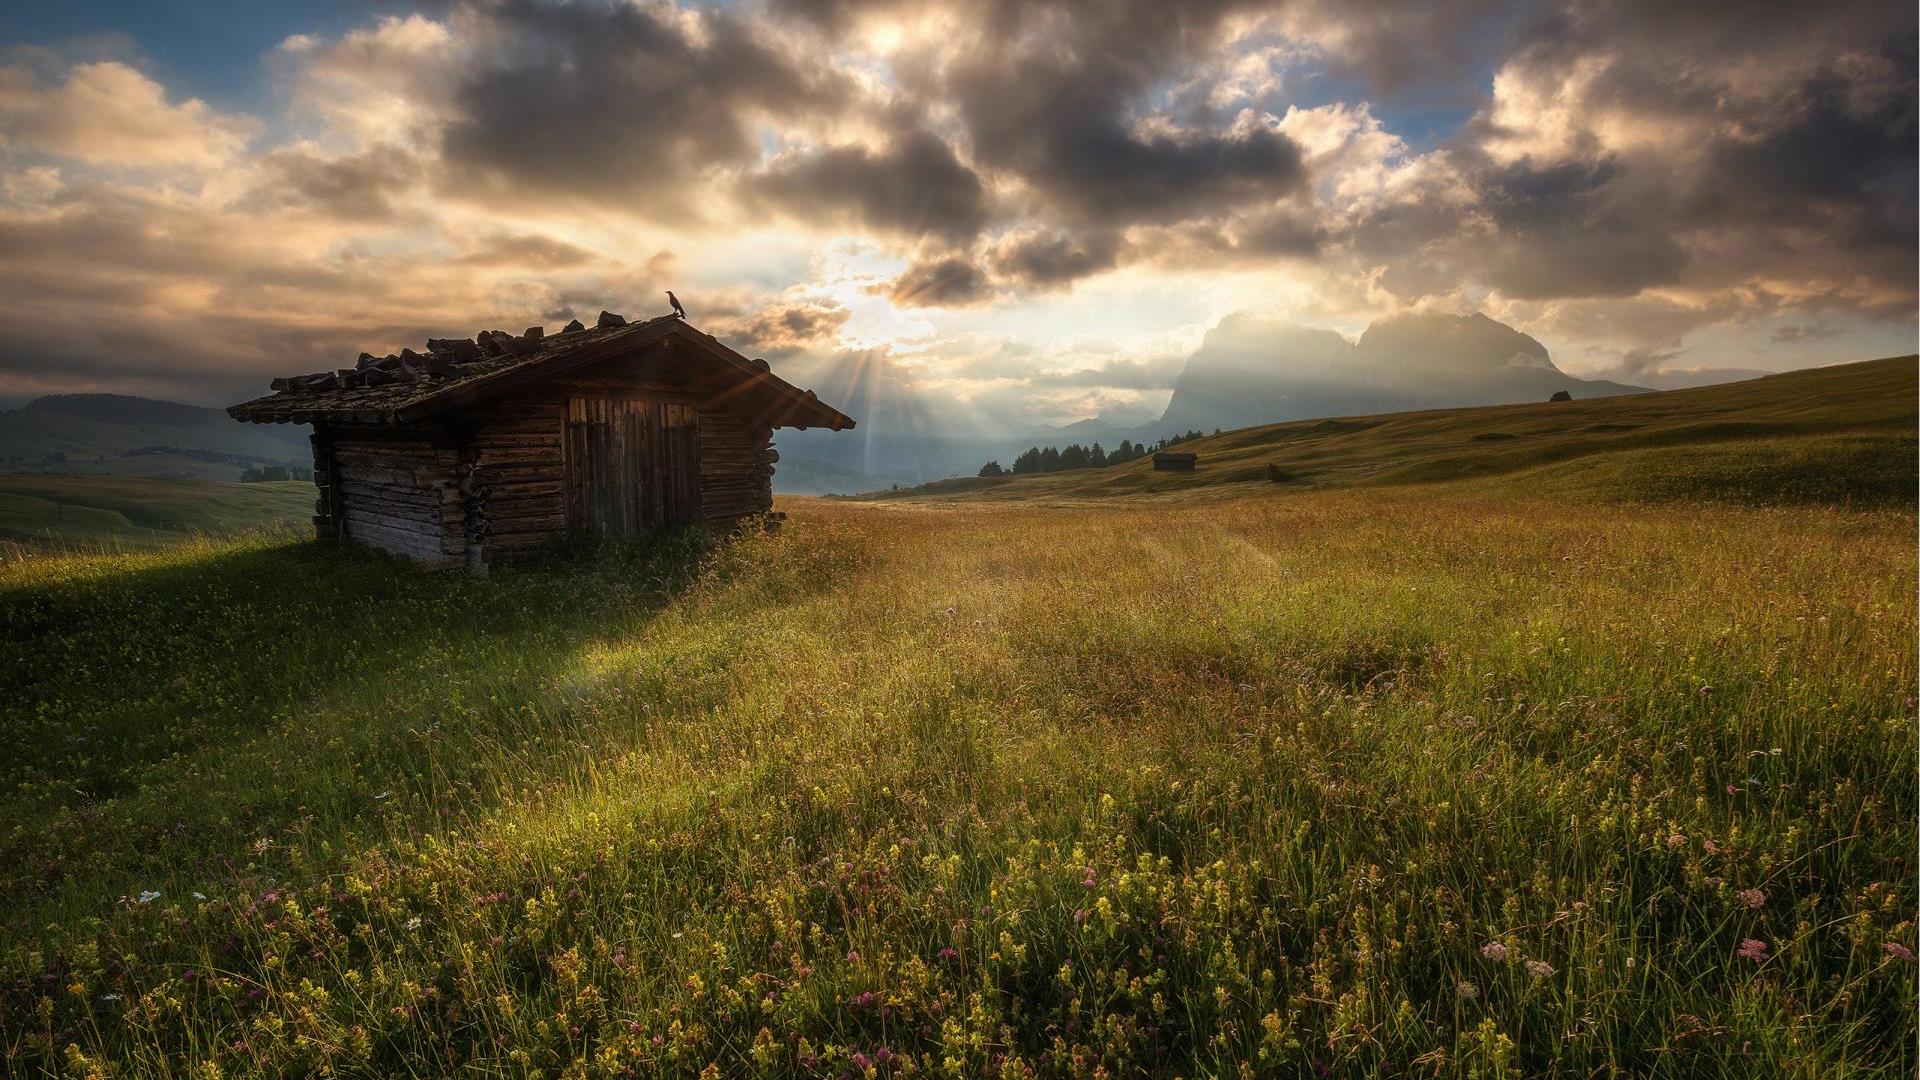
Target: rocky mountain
point(1251, 370)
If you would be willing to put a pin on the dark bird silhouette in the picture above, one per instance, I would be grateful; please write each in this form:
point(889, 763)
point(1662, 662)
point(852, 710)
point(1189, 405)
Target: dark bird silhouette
point(678, 311)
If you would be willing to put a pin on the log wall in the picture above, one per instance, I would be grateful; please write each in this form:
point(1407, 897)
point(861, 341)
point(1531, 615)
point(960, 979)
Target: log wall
point(395, 490)
point(514, 478)
point(491, 484)
point(736, 468)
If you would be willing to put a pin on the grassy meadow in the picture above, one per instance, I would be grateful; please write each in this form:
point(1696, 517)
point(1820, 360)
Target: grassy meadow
point(1840, 434)
point(141, 513)
point(1499, 777)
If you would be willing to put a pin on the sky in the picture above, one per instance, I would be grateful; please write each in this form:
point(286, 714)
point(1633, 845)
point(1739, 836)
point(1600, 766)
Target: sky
point(1005, 212)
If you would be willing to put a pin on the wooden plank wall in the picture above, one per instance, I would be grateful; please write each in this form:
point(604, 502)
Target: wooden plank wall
point(515, 458)
point(634, 465)
point(326, 506)
point(736, 468)
point(395, 490)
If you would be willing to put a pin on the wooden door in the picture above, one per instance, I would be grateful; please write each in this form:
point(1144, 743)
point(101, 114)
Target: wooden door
point(633, 465)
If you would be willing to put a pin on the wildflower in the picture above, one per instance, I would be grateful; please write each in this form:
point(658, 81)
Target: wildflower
point(1751, 898)
point(1731, 790)
point(1079, 915)
point(413, 923)
point(1754, 949)
point(1539, 969)
point(949, 953)
point(109, 997)
point(853, 957)
point(200, 896)
point(862, 1061)
point(1676, 841)
point(149, 896)
point(1712, 848)
point(1467, 990)
point(1494, 951)
point(1894, 948)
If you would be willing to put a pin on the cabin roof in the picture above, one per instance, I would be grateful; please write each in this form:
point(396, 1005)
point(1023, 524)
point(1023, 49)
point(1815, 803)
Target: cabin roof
point(411, 386)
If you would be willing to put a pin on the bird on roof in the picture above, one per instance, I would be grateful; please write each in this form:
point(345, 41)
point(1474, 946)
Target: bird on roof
point(678, 311)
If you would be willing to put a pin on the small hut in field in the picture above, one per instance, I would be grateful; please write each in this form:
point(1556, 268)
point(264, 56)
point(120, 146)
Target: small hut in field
point(489, 448)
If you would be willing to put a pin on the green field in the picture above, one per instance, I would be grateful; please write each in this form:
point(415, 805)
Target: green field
point(128, 512)
point(1740, 442)
point(1586, 762)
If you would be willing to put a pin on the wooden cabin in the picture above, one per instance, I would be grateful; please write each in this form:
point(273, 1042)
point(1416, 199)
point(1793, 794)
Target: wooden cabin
point(1170, 461)
point(487, 449)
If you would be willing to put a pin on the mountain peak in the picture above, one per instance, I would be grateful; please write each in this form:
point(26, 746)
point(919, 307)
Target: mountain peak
point(1251, 370)
point(1457, 343)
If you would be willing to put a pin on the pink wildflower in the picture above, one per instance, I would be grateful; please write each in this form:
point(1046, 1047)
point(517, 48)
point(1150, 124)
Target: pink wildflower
point(1676, 841)
point(949, 953)
point(852, 957)
point(1894, 948)
point(1539, 969)
point(1751, 898)
point(1494, 951)
point(1754, 949)
point(862, 1061)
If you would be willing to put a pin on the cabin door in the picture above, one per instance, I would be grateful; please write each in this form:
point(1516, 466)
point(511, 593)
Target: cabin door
point(633, 465)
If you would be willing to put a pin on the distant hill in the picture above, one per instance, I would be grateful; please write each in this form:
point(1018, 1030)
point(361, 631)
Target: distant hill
point(134, 436)
point(1843, 435)
point(1251, 370)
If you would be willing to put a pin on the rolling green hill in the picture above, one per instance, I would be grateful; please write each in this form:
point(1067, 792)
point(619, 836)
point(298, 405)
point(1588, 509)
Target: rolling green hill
point(139, 512)
point(133, 436)
point(1836, 434)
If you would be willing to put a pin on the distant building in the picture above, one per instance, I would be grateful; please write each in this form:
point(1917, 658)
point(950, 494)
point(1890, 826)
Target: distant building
point(1169, 461)
point(492, 447)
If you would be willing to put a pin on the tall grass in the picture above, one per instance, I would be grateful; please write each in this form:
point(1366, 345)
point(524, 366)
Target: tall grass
point(1344, 783)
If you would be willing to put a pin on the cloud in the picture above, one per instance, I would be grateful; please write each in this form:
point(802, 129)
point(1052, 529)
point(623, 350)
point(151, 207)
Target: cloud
point(786, 328)
point(1629, 175)
point(1802, 333)
point(1046, 260)
point(362, 187)
point(107, 113)
point(953, 281)
point(1059, 96)
point(623, 105)
point(914, 186)
point(527, 250)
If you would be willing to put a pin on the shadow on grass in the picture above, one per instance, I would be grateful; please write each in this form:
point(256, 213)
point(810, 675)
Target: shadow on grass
point(159, 715)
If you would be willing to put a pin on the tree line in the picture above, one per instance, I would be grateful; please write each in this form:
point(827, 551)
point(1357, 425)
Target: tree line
point(1044, 459)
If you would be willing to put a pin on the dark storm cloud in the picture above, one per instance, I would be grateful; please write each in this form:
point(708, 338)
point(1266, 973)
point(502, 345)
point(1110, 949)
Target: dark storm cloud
point(949, 282)
point(913, 187)
point(1057, 99)
point(1051, 260)
point(618, 103)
